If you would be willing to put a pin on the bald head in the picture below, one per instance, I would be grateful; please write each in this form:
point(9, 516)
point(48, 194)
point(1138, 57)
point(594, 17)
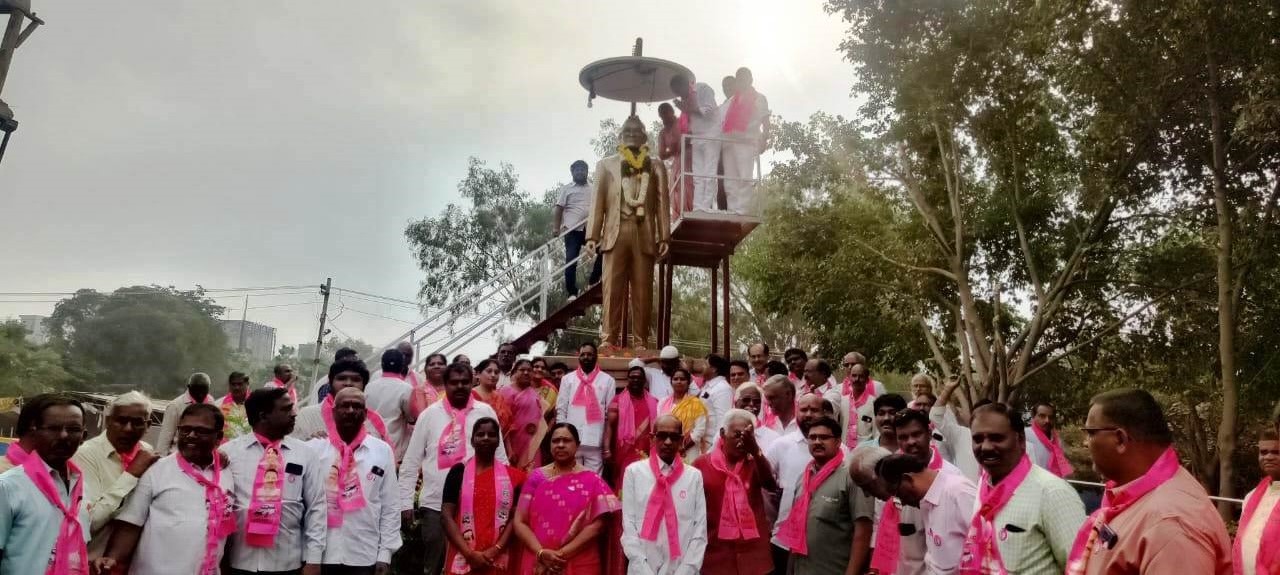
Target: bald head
point(351, 393)
point(810, 408)
point(668, 423)
point(349, 412)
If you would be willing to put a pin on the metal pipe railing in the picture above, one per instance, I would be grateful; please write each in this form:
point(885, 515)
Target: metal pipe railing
point(1096, 485)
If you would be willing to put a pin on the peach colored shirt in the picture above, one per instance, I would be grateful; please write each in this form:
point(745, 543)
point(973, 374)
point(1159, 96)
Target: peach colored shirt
point(1173, 529)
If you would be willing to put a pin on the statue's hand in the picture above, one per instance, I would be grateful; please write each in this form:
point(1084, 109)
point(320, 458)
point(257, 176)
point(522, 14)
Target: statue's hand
point(662, 249)
point(589, 251)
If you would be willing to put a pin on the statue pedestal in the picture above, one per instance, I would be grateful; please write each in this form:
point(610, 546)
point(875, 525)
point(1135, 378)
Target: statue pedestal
point(614, 366)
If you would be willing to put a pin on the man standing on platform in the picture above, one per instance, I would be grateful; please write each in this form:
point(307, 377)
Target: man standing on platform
point(629, 224)
point(1155, 516)
point(569, 217)
point(746, 126)
point(113, 462)
point(1018, 498)
point(664, 509)
point(585, 395)
point(440, 441)
point(699, 117)
point(197, 392)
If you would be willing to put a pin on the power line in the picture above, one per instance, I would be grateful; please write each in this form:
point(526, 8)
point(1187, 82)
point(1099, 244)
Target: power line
point(152, 292)
point(413, 303)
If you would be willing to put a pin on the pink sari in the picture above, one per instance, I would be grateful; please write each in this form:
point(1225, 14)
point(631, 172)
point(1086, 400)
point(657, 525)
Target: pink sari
point(527, 409)
point(558, 509)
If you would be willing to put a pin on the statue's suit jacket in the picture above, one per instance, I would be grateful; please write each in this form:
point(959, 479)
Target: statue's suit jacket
point(606, 208)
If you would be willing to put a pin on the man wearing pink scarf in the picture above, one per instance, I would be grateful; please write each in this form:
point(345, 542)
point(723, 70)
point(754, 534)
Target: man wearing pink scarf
point(664, 512)
point(44, 526)
point(735, 475)
point(1155, 517)
point(439, 442)
point(197, 392)
point(746, 127)
point(585, 395)
point(1025, 518)
point(1044, 443)
point(1255, 551)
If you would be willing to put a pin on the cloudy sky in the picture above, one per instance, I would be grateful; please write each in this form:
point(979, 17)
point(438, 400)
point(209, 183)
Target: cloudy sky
point(246, 143)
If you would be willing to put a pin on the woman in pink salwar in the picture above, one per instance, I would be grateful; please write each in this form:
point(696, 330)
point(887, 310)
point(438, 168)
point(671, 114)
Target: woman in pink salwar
point(528, 423)
point(562, 511)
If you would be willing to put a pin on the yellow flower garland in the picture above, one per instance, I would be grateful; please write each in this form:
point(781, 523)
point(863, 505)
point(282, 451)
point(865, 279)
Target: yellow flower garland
point(636, 162)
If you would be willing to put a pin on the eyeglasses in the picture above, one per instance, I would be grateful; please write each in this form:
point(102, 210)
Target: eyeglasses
point(60, 429)
point(668, 436)
point(1091, 431)
point(821, 437)
point(196, 431)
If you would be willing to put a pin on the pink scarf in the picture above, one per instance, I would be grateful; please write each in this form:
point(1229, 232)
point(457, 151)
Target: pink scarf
point(888, 547)
point(267, 500)
point(221, 520)
point(186, 395)
point(16, 454)
point(661, 509)
point(1268, 559)
point(346, 494)
point(740, 108)
point(453, 440)
point(794, 532)
point(70, 555)
point(1114, 502)
point(585, 396)
point(127, 458)
point(467, 515)
point(981, 553)
point(737, 521)
point(424, 394)
point(293, 392)
point(868, 393)
point(769, 419)
point(627, 417)
point(380, 426)
point(1058, 463)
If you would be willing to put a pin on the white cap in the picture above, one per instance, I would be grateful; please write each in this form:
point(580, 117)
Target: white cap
point(635, 363)
point(669, 352)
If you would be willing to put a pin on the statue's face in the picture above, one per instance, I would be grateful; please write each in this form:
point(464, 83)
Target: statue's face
point(633, 135)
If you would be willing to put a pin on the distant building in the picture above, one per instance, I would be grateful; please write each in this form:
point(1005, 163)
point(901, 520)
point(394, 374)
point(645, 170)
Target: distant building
point(36, 332)
point(258, 340)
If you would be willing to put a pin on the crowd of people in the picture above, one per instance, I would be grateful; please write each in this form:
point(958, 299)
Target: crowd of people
point(514, 465)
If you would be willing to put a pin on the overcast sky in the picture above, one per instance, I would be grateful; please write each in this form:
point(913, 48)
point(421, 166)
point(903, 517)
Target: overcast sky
point(249, 143)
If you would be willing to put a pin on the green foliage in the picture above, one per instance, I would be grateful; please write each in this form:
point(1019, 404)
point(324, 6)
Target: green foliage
point(142, 337)
point(27, 369)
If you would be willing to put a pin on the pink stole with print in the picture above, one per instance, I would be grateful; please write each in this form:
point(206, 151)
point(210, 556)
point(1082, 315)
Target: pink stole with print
point(981, 552)
point(452, 449)
point(1268, 559)
point(266, 503)
point(661, 508)
point(345, 493)
point(1058, 463)
point(627, 426)
point(585, 396)
point(70, 554)
point(1114, 502)
point(221, 520)
point(737, 520)
point(467, 514)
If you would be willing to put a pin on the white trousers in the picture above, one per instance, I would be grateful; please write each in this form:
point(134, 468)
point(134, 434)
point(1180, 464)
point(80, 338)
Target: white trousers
point(590, 457)
point(739, 166)
point(706, 158)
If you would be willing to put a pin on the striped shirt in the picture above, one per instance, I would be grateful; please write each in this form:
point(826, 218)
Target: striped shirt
point(1036, 528)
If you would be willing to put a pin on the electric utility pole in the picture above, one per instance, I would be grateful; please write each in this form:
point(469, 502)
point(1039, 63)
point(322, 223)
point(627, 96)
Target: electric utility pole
point(324, 314)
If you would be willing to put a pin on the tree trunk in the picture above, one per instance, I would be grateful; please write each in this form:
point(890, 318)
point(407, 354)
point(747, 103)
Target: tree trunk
point(1226, 313)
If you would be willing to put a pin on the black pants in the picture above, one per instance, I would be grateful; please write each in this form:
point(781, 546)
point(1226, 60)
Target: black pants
point(433, 541)
point(781, 559)
point(573, 242)
point(345, 570)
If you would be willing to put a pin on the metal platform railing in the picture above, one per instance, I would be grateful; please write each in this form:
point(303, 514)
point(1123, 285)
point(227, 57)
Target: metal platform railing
point(687, 175)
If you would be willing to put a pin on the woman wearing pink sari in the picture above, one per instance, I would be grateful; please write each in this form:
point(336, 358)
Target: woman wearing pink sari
point(628, 425)
point(527, 424)
point(431, 390)
point(561, 512)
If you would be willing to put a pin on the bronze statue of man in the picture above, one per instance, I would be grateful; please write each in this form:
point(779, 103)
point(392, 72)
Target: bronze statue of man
point(630, 223)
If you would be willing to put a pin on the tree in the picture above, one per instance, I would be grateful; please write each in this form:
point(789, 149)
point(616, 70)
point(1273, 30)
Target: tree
point(142, 337)
point(27, 369)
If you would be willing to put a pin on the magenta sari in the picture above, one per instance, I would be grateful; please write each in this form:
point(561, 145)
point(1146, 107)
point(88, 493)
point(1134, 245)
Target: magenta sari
point(524, 435)
point(558, 509)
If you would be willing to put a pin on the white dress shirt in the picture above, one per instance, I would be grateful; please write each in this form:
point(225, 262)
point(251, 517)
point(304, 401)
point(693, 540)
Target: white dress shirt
point(864, 415)
point(912, 548)
point(106, 485)
point(303, 525)
point(718, 395)
point(1039, 452)
point(659, 383)
point(705, 121)
point(353, 543)
point(1251, 533)
point(653, 557)
point(390, 397)
point(765, 438)
point(947, 509)
point(170, 508)
point(310, 425)
point(423, 454)
point(592, 434)
point(788, 457)
point(956, 444)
